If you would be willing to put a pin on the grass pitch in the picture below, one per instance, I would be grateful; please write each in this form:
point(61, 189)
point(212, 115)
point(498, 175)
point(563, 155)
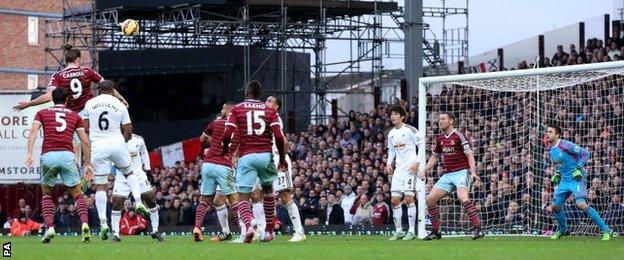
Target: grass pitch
point(321, 247)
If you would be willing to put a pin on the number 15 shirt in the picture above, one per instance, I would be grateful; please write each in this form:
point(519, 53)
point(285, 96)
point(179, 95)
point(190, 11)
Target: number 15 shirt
point(254, 121)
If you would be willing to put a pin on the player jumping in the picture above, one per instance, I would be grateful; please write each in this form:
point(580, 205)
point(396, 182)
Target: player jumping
point(77, 81)
point(252, 119)
point(457, 158)
point(571, 178)
point(402, 142)
point(58, 159)
point(121, 188)
point(216, 171)
point(283, 183)
point(105, 118)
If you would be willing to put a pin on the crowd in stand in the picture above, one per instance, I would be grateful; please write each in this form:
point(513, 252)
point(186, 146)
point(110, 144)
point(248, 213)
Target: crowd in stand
point(595, 50)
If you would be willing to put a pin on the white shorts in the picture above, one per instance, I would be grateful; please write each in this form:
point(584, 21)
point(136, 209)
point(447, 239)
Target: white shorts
point(284, 179)
point(121, 187)
point(403, 183)
point(105, 152)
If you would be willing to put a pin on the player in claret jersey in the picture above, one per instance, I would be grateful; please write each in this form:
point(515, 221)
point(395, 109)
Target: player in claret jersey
point(457, 158)
point(256, 124)
point(77, 81)
point(217, 171)
point(58, 159)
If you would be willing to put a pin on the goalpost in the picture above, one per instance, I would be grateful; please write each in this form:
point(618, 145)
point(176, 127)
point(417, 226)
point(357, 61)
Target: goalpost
point(504, 116)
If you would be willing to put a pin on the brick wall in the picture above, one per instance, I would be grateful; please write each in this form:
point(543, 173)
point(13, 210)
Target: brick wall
point(15, 52)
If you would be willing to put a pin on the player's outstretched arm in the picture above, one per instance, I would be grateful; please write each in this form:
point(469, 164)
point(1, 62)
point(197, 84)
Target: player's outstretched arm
point(45, 98)
point(32, 136)
point(121, 98)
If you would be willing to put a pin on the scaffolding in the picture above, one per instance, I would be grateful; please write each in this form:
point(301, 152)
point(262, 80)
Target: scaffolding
point(452, 46)
point(280, 28)
point(369, 34)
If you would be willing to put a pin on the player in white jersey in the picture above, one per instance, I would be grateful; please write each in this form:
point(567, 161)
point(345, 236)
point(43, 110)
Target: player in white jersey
point(121, 188)
point(403, 139)
point(283, 184)
point(105, 118)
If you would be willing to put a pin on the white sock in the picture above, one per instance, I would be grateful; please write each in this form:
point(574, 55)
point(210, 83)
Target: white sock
point(293, 213)
point(133, 182)
point(154, 219)
point(258, 212)
point(115, 218)
point(411, 217)
point(100, 205)
point(398, 216)
point(241, 224)
point(224, 221)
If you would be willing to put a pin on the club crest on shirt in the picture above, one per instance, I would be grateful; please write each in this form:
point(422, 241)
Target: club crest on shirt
point(452, 142)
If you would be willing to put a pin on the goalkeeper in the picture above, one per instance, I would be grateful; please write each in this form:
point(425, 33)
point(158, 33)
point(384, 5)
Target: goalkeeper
point(571, 178)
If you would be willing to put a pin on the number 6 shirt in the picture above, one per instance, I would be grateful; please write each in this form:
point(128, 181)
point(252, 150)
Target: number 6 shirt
point(106, 114)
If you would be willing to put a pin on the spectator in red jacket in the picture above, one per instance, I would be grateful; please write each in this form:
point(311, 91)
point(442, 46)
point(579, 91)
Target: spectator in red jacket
point(132, 223)
point(23, 226)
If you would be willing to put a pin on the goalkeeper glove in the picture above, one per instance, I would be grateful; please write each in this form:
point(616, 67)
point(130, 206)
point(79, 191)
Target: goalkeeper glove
point(577, 175)
point(556, 178)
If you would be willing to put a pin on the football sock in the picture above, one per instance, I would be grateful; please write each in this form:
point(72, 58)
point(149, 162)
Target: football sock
point(48, 210)
point(154, 219)
point(593, 214)
point(258, 215)
point(561, 221)
point(397, 212)
point(115, 219)
point(100, 205)
point(434, 214)
point(293, 213)
point(81, 208)
point(472, 213)
point(222, 214)
point(268, 202)
point(200, 214)
point(244, 211)
point(411, 217)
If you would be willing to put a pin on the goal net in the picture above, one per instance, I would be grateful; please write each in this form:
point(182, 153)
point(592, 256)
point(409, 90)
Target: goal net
point(504, 116)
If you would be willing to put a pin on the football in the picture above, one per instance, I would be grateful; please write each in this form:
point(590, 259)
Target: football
point(130, 27)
